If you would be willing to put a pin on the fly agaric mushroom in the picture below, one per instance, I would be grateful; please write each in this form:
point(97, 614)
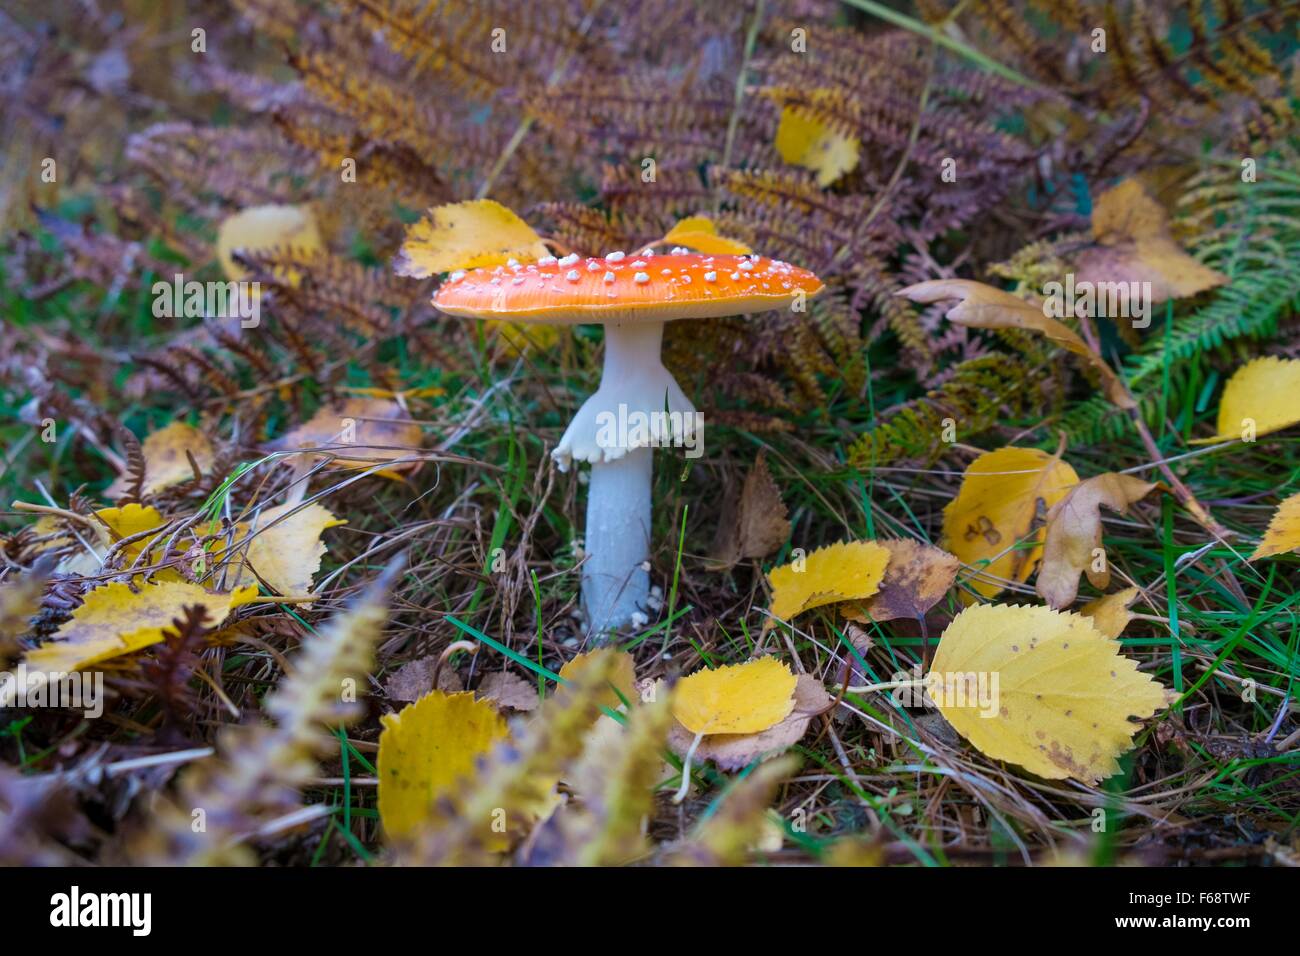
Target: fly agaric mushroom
point(638, 405)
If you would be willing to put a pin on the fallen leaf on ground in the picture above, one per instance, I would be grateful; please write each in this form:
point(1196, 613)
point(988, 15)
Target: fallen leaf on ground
point(623, 671)
point(1262, 396)
point(1110, 613)
point(1074, 535)
point(1283, 532)
point(509, 690)
point(1132, 243)
point(283, 546)
point(1064, 695)
point(699, 233)
point(805, 139)
point(262, 229)
point(848, 571)
point(165, 460)
point(916, 578)
point(365, 431)
point(735, 699)
point(414, 679)
point(467, 235)
point(114, 620)
point(984, 307)
point(735, 751)
point(425, 748)
point(1005, 495)
point(755, 524)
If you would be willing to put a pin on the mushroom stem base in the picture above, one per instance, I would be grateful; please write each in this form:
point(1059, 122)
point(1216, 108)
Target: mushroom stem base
point(615, 581)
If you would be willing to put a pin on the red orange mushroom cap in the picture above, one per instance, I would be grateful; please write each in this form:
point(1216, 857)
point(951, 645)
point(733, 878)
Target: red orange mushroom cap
point(622, 287)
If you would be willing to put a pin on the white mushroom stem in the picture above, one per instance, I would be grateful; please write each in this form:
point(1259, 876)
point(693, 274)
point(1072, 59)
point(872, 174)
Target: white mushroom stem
point(616, 431)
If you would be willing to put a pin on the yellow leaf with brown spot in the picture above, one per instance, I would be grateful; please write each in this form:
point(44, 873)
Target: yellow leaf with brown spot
point(1283, 532)
point(281, 546)
point(467, 235)
point(917, 576)
point(166, 462)
point(1109, 613)
point(425, 748)
point(699, 233)
point(1133, 244)
point(264, 228)
point(803, 138)
point(847, 571)
point(362, 432)
point(984, 307)
point(1042, 689)
point(622, 679)
point(735, 699)
point(114, 620)
point(1262, 396)
point(1073, 537)
point(995, 524)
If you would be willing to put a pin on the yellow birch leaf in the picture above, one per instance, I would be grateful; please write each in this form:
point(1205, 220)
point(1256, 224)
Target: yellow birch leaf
point(1283, 532)
point(263, 228)
point(804, 139)
point(165, 460)
point(425, 748)
point(364, 431)
point(467, 235)
point(1262, 396)
point(1110, 613)
point(283, 546)
point(130, 520)
point(623, 674)
point(848, 571)
point(1074, 535)
point(735, 699)
point(699, 233)
point(984, 307)
point(1057, 694)
point(1004, 497)
point(114, 620)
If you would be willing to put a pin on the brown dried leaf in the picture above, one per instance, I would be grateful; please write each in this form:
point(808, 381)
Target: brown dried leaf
point(1074, 534)
point(755, 524)
point(917, 576)
point(984, 307)
point(414, 679)
point(509, 690)
point(362, 431)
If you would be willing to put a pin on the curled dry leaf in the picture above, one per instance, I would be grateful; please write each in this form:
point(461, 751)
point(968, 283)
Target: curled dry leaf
point(282, 547)
point(114, 620)
point(917, 576)
point(848, 571)
point(735, 699)
point(984, 307)
point(699, 233)
point(735, 751)
point(166, 462)
point(424, 749)
point(1283, 532)
point(1058, 694)
point(509, 691)
point(1074, 535)
point(467, 235)
point(1005, 495)
point(1262, 396)
point(1110, 613)
point(362, 432)
point(1132, 243)
point(754, 525)
point(805, 139)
